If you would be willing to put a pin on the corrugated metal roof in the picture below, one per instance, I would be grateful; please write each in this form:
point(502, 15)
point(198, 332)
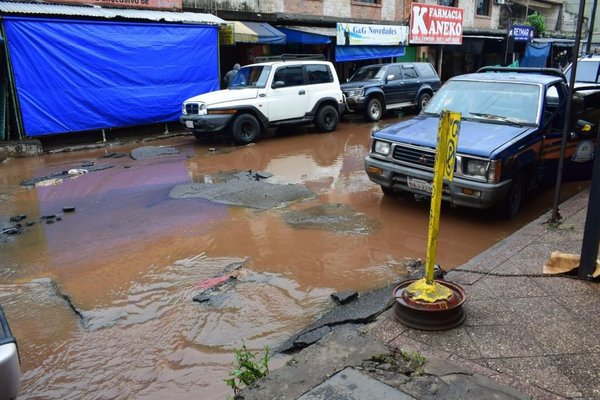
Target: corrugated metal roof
point(98, 12)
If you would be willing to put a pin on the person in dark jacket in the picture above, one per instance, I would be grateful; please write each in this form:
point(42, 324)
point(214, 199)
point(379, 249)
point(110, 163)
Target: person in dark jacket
point(228, 78)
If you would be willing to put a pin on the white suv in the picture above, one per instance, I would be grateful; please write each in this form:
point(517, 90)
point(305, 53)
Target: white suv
point(291, 90)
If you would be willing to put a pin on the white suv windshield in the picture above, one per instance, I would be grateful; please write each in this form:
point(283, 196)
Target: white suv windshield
point(511, 102)
point(587, 71)
point(251, 77)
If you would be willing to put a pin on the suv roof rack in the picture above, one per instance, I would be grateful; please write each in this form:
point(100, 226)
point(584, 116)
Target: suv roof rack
point(542, 71)
point(284, 57)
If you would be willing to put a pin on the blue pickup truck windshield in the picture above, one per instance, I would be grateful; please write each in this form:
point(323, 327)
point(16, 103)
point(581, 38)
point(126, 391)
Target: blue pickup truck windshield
point(497, 101)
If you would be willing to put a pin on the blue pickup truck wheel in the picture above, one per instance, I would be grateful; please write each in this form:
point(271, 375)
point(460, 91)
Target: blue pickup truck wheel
point(511, 204)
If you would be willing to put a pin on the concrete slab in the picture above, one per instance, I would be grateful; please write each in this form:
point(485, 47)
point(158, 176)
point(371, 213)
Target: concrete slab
point(144, 152)
point(350, 384)
point(244, 190)
point(338, 218)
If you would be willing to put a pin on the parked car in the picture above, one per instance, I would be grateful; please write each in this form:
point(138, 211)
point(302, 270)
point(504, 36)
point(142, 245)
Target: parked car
point(9, 361)
point(287, 89)
point(588, 71)
point(510, 139)
point(374, 89)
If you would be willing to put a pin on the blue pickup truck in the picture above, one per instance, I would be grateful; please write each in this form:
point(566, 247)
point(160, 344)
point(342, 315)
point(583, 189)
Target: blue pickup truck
point(510, 138)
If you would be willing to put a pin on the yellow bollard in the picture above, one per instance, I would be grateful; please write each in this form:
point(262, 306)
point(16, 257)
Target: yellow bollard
point(447, 138)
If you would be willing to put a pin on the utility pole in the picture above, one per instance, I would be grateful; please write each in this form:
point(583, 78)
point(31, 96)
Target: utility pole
point(565, 132)
point(588, 48)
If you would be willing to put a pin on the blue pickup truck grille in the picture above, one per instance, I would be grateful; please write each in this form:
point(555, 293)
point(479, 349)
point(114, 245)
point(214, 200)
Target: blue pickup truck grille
point(418, 156)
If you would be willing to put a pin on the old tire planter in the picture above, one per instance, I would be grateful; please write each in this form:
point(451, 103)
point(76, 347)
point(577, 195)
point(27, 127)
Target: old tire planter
point(440, 315)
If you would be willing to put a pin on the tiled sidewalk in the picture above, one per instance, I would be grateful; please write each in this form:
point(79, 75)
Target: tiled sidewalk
point(540, 335)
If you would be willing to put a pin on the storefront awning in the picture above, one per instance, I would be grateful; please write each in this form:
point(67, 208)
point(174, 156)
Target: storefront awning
point(308, 35)
point(257, 32)
point(353, 53)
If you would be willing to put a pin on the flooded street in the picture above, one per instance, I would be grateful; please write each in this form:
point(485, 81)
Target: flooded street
point(100, 301)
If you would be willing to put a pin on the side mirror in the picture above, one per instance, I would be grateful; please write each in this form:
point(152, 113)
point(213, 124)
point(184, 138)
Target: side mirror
point(390, 77)
point(278, 84)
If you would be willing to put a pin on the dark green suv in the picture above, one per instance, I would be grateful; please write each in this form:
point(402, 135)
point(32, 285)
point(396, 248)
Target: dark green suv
point(374, 89)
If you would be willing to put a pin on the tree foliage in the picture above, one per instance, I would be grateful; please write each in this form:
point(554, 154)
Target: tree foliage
point(538, 22)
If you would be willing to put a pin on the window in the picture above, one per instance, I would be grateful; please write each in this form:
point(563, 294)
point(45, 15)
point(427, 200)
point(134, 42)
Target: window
point(426, 70)
point(394, 71)
point(409, 73)
point(483, 8)
point(448, 3)
point(290, 76)
point(318, 74)
point(251, 77)
point(368, 1)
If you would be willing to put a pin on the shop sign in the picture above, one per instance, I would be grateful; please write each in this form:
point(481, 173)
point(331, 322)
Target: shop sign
point(226, 34)
point(521, 33)
point(361, 34)
point(431, 24)
point(145, 4)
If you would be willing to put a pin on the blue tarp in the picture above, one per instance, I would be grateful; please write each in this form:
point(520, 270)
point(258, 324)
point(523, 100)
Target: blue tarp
point(535, 55)
point(296, 36)
point(85, 75)
point(351, 53)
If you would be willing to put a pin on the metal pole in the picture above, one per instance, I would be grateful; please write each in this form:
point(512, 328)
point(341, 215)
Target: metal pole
point(591, 232)
point(588, 48)
point(565, 132)
point(440, 61)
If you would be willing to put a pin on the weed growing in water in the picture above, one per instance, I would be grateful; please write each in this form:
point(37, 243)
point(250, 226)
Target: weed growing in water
point(247, 370)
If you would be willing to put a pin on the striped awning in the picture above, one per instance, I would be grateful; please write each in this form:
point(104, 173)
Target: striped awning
point(257, 32)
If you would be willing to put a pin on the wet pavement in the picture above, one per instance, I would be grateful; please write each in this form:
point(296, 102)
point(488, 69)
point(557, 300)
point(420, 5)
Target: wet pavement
point(101, 299)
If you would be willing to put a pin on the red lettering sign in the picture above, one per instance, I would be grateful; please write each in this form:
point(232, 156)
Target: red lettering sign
point(145, 4)
point(431, 24)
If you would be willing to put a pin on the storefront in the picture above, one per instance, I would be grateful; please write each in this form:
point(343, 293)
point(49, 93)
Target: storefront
point(70, 69)
point(362, 44)
point(241, 41)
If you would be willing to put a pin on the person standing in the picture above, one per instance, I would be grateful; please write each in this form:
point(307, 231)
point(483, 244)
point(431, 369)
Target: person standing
point(228, 78)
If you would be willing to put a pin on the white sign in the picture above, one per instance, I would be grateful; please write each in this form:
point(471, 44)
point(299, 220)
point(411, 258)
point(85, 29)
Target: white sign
point(430, 24)
point(381, 35)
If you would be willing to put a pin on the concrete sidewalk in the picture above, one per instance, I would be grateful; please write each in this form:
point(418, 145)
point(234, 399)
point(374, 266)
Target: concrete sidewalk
point(524, 336)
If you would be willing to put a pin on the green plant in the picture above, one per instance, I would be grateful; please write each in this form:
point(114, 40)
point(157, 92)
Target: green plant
point(538, 22)
point(415, 360)
point(246, 370)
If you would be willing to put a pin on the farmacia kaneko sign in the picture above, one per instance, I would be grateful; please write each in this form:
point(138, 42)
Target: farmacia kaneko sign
point(431, 24)
point(361, 34)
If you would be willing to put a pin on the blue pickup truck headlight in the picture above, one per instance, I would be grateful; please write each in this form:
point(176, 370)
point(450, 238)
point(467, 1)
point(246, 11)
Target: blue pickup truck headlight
point(476, 167)
point(382, 148)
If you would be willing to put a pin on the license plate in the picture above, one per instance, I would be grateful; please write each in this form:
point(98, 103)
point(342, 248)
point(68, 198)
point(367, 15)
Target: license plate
point(419, 184)
point(189, 124)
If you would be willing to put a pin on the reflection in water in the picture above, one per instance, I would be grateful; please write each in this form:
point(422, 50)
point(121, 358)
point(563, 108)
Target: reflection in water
point(130, 259)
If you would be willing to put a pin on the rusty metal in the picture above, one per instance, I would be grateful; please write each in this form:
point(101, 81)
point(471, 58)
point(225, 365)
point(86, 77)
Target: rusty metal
point(439, 315)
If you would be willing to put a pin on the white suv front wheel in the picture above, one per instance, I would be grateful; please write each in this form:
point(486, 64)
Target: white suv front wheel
point(327, 118)
point(245, 129)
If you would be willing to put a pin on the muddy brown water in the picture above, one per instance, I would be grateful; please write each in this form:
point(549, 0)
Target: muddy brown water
point(130, 259)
